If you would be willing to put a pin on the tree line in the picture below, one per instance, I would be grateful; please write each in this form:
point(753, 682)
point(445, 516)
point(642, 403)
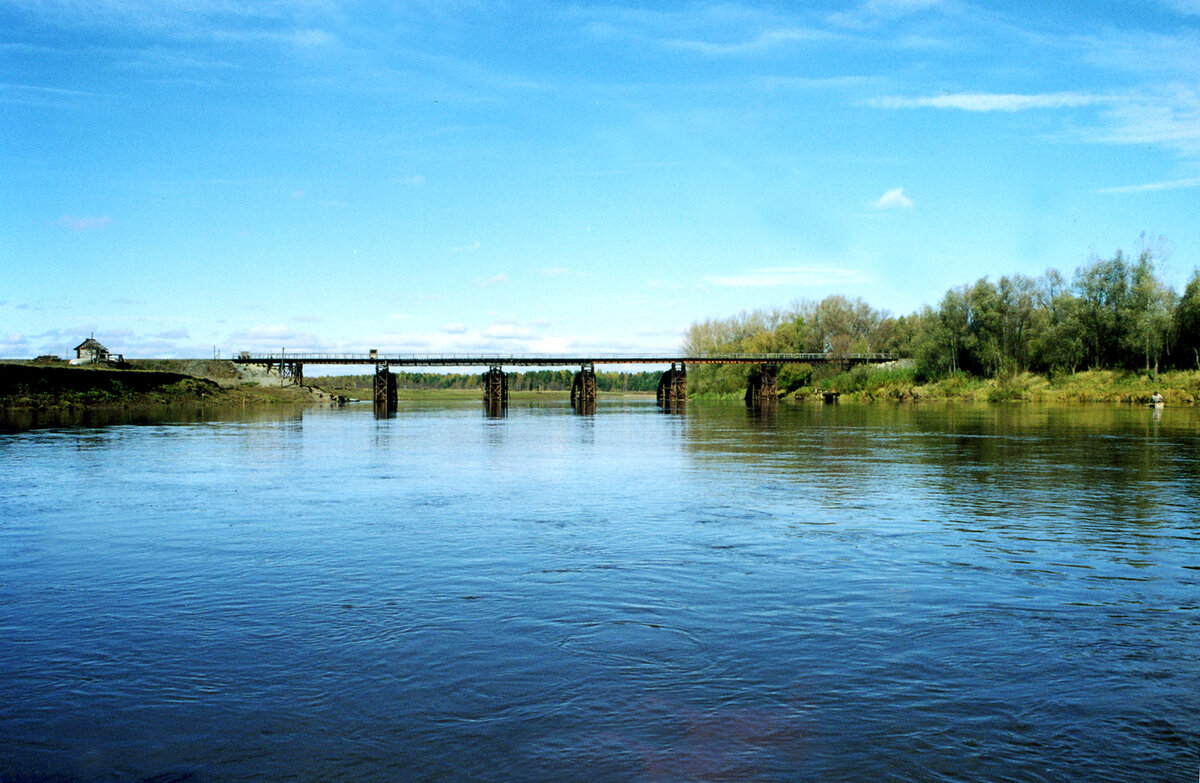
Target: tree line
point(534, 380)
point(1114, 313)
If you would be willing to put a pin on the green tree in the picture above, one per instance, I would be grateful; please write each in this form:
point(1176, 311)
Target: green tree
point(1187, 323)
point(1103, 290)
point(1150, 307)
point(1057, 333)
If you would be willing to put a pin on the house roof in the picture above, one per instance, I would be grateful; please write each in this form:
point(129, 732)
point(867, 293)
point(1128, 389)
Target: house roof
point(90, 344)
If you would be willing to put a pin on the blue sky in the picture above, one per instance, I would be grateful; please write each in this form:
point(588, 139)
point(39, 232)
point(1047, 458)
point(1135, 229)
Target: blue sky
point(179, 176)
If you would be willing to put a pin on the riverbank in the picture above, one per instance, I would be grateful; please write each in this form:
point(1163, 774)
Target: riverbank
point(29, 386)
point(1179, 387)
point(43, 387)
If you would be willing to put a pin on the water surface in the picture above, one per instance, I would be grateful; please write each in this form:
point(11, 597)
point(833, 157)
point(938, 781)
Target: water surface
point(831, 592)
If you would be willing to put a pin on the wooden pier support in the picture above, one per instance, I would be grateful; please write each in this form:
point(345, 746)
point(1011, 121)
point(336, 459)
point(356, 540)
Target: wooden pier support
point(583, 390)
point(672, 387)
point(495, 387)
point(293, 371)
point(384, 392)
point(763, 385)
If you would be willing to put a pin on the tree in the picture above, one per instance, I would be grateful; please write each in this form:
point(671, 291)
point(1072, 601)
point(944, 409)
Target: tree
point(954, 322)
point(1150, 306)
point(1103, 290)
point(1057, 333)
point(1187, 323)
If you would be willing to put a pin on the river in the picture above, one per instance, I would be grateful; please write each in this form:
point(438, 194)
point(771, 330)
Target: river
point(836, 592)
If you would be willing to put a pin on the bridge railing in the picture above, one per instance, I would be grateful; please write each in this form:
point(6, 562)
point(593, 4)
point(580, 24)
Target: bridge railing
point(518, 359)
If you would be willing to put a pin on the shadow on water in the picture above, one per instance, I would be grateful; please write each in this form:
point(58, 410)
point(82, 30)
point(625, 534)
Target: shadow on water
point(22, 420)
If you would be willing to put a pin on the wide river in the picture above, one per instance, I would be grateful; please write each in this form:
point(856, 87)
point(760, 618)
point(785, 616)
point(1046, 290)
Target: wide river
point(817, 593)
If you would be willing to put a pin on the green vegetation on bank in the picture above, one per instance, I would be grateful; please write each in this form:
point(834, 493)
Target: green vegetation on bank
point(42, 387)
point(870, 384)
point(55, 386)
point(1103, 336)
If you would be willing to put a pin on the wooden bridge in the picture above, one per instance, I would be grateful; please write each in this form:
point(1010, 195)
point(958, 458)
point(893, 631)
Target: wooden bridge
point(672, 387)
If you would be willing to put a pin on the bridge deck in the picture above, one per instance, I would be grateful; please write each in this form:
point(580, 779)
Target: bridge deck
point(547, 360)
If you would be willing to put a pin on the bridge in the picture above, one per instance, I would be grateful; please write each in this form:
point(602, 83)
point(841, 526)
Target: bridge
point(672, 387)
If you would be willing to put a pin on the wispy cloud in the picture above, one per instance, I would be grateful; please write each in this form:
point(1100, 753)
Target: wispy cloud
point(1186, 7)
point(713, 30)
point(983, 101)
point(279, 21)
point(1167, 116)
point(1149, 187)
point(498, 280)
point(556, 271)
point(788, 276)
point(454, 328)
point(882, 11)
point(763, 41)
point(83, 223)
point(894, 198)
point(37, 95)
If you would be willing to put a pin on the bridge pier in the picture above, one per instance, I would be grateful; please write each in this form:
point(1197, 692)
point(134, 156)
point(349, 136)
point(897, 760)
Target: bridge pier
point(495, 387)
point(672, 387)
point(384, 392)
point(762, 387)
point(583, 390)
point(293, 371)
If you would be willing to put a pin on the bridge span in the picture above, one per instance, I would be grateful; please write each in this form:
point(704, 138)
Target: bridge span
point(672, 388)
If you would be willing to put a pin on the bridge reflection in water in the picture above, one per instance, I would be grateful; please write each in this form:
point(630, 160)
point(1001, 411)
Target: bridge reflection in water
point(762, 384)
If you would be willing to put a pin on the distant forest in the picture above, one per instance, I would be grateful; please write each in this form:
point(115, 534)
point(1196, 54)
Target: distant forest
point(1114, 313)
point(535, 380)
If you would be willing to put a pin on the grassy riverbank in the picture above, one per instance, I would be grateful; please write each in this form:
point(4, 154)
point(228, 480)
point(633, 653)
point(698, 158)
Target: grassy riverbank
point(1180, 387)
point(28, 386)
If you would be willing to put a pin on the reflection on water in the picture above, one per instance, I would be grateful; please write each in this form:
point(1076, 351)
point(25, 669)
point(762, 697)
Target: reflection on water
point(19, 420)
point(805, 592)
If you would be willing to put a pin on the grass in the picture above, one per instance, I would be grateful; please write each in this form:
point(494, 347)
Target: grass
point(1178, 387)
point(25, 386)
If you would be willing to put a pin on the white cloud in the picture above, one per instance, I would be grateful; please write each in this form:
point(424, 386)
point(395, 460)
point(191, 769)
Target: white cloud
point(454, 328)
point(556, 271)
point(1167, 116)
point(882, 10)
point(559, 345)
point(709, 30)
point(83, 223)
point(13, 345)
point(982, 101)
point(273, 337)
point(894, 198)
point(1177, 184)
point(268, 20)
point(785, 276)
point(764, 41)
point(498, 280)
point(1186, 7)
point(172, 334)
point(507, 332)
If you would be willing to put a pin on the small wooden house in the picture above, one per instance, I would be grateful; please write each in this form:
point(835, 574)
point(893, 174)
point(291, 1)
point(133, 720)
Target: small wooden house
point(90, 351)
